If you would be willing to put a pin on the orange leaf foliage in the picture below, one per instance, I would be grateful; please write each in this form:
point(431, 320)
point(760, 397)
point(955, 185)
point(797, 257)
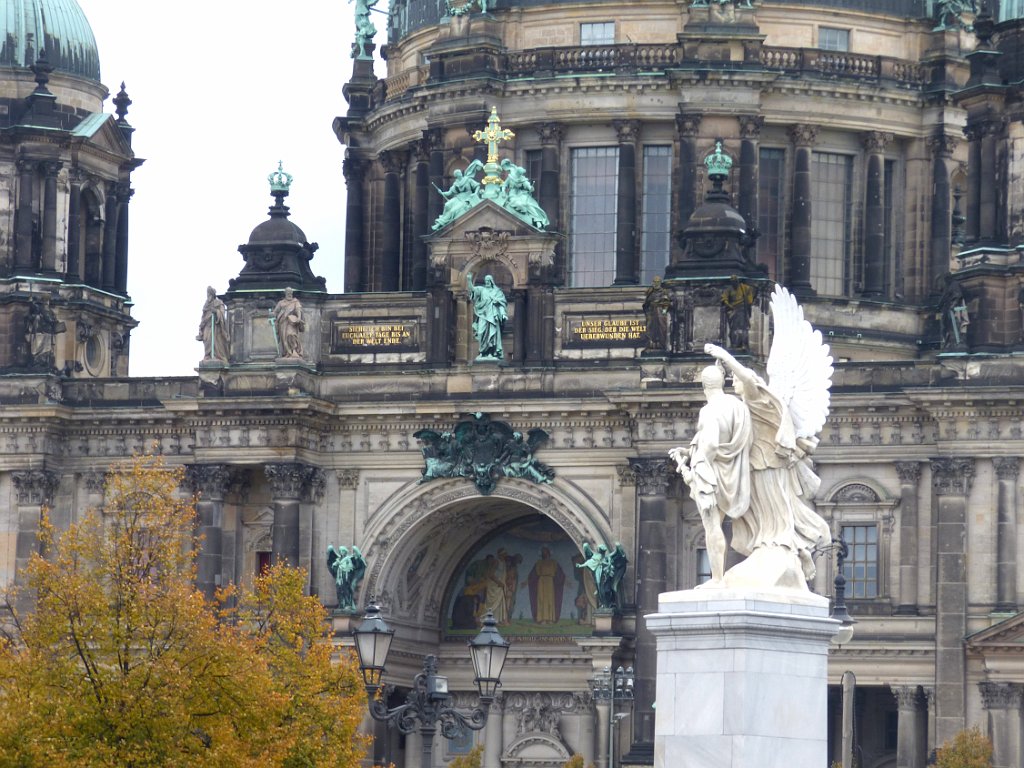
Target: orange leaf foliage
point(121, 663)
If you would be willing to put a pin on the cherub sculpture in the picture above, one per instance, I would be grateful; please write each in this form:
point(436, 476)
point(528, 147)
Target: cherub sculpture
point(764, 481)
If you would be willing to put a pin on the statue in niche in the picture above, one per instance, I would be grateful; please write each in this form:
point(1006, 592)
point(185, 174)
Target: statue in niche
point(517, 195)
point(288, 325)
point(213, 328)
point(348, 570)
point(608, 568)
point(738, 300)
point(41, 328)
point(949, 14)
point(462, 195)
point(657, 303)
point(953, 315)
point(490, 312)
point(364, 29)
point(755, 467)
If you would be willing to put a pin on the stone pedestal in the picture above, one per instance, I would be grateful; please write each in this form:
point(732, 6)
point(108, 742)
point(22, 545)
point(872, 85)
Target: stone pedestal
point(742, 678)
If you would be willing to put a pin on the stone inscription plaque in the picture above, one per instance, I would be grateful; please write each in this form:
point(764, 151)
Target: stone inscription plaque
point(606, 330)
point(355, 336)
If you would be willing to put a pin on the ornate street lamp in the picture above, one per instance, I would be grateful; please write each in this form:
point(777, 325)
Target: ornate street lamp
point(839, 612)
point(429, 703)
point(614, 685)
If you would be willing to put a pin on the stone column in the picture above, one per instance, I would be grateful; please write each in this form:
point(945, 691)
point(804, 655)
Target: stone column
point(124, 196)
point(551, 135)
point(50, 170)
point(435, 203)
point(912, 726)
point(494, 733)
point(34, 489)
point(627, 268)
point(1002, 701)
point(687, 126)
point(909, 473)
point(110, 239)
point(74, 267)
point(653, 551)
point(355, 277)
point(210, 483)
point(874, 215)
point(420, 224)
point(951, 483)
point(929, 701)
point(942, 147)
point(603, 708)
point(974, 130)
point(1007, 471)
point(287, 483)
point(750, 135)
point(798, 277)
point(24, 259)
point(989, 230)
point(391, 221)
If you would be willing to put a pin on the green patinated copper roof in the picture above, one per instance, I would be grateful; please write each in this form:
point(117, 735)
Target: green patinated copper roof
point(59, 26)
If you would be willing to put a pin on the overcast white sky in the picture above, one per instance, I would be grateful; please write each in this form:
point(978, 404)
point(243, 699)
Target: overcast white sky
point(222, 90)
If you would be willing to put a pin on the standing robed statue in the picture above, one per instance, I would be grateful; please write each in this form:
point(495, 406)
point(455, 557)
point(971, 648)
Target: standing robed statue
point(490, 308)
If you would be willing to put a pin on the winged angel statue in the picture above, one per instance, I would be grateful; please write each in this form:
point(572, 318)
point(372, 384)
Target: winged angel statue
point(749, 459)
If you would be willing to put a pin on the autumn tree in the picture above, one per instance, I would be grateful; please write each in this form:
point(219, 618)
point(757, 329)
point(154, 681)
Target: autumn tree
point(968, 749)
point(121, 662)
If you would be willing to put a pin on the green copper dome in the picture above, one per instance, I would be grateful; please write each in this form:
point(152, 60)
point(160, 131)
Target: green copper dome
point(58, 26)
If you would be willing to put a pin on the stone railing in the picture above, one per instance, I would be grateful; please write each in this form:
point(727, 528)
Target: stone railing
point(398, 84)
point(593, 58)
point(842, 64)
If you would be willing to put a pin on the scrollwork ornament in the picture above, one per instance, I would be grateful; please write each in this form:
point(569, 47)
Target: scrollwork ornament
point(551, 133)
point(952, 476)
point(210, 481)
point(1007, 467)
point(750, 126)
point(35, 486)
point(348, 479)
point(652, 475)
point(688, 124)
point(287, 481)
point(803, 135)
point(909, 472)
point(908, 697)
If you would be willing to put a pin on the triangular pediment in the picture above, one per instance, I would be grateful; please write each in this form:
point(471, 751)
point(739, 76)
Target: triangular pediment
point(99, 131)
point(486, 214)
point(1007, 635)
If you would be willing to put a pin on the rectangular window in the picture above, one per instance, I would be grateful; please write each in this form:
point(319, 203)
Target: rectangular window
point(770, 209)
point(656, 207)
point(703, 566)
point(532, 162)
point(831, 226)
point(1010, 9)
point(593, 205)
point(890, 222)
point(832, 39)
point(861, 566)
point(597, 33)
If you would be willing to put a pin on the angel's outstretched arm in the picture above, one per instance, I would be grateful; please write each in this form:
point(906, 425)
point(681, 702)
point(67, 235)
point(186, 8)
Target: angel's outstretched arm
point(741, 372)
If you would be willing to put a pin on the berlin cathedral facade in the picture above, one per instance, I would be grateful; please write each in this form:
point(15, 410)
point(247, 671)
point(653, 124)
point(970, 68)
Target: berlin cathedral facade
point(872, 156)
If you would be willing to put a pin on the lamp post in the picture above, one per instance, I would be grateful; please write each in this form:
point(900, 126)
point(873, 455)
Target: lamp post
point(429, 702)
point(612, 686)
point(839, 612)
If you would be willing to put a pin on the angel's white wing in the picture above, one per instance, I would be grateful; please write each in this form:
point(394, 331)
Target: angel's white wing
point(799, 365)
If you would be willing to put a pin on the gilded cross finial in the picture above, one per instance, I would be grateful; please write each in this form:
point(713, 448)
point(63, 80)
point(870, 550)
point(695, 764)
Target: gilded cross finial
point(493, 134)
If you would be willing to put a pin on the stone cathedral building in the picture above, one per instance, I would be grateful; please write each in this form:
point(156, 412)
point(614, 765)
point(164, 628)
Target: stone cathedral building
point(876, 151)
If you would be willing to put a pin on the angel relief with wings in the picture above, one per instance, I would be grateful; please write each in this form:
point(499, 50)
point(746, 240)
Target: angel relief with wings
point(754, 467)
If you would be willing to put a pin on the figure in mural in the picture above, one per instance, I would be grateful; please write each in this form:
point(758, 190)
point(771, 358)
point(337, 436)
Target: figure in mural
point(490, 314)
point(348, 570)
point(738, 300)
point(716, 464)
point(517, 195)
point(510, 564)
point(494, 591)
point(288, 325)
point(364, 29)
point(778, 529)
point(953, 315)
point(463, 194)
point(546, 581)
point(657, 303)
point(213, 328)
point(468, 604)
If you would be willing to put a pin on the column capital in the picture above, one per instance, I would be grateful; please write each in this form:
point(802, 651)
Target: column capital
point(652, 475)
point(393, 160)
point(51, 168)
point(942, 144)
point(25, 165)
point(688, 124)
point(875, 142)
point(909, 472)
point(348, 479)
point(908, 697)
point(627, 131)
point(626, 475)
point(353, 168)
point(1001, 695)
point(803, 135)
point(420, 149)
point(551, 133)
point(35, 486)
point(750, 126)
point(1007, 467)
point(952, 476)
point(294, 482)
point(210, 481)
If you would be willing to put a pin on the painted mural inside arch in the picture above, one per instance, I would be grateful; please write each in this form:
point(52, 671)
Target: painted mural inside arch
point(527, 575)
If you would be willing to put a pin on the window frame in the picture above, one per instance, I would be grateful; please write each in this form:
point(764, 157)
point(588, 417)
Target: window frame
point(592, 27)
point(575, 217)
point(841, 45)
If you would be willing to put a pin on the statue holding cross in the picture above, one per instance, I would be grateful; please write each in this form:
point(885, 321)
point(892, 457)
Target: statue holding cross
point(492, 136)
